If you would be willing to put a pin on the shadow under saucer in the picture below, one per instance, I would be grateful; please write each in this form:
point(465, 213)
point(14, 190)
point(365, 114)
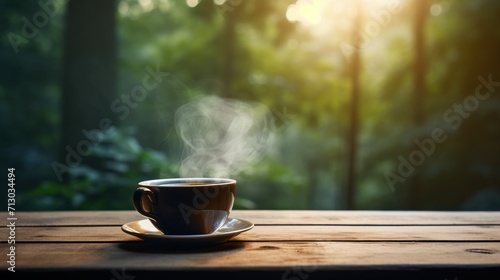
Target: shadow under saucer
point(171, 248)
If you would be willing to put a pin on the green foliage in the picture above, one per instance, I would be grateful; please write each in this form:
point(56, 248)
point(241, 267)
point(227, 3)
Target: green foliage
point(268, 184)
point(124, 163)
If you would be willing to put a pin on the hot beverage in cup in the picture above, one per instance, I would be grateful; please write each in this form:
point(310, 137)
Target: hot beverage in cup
point(186, 205)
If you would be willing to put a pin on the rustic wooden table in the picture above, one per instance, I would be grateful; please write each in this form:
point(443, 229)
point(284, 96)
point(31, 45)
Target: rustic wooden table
point(282, 245)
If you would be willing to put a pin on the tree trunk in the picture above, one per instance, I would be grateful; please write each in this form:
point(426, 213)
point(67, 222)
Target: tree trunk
point(421, 9)
point(229, 41)
point(352, 137)
point(88, 81)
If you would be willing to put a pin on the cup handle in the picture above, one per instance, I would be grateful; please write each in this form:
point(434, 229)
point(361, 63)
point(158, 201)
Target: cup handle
point(145, 206)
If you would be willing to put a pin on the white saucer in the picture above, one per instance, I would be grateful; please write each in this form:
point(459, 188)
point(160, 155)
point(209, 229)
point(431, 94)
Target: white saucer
point(145, 230)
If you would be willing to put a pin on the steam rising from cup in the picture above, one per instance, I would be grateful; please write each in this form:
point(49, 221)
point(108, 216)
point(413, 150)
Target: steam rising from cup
point(222, 136)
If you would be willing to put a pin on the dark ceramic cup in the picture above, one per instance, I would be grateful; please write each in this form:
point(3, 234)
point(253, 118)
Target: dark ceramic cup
point(186, 206)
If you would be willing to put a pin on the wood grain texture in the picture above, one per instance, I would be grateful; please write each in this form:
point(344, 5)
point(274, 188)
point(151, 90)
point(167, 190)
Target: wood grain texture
point(271, 217)
point(278, 233)
point(279, 255)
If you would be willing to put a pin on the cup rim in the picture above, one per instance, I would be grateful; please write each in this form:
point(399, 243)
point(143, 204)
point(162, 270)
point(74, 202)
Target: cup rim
point(208, 181)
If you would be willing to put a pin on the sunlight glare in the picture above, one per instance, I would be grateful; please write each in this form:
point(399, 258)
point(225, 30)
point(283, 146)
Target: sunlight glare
point(307, 12)
point(123, 8)
point(436, 10)
point(219, 2)
point(192, 3)
point(147, 5)
point(292, 13)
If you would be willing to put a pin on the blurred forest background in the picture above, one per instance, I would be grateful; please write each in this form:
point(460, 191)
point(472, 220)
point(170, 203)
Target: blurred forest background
point(377, 104)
